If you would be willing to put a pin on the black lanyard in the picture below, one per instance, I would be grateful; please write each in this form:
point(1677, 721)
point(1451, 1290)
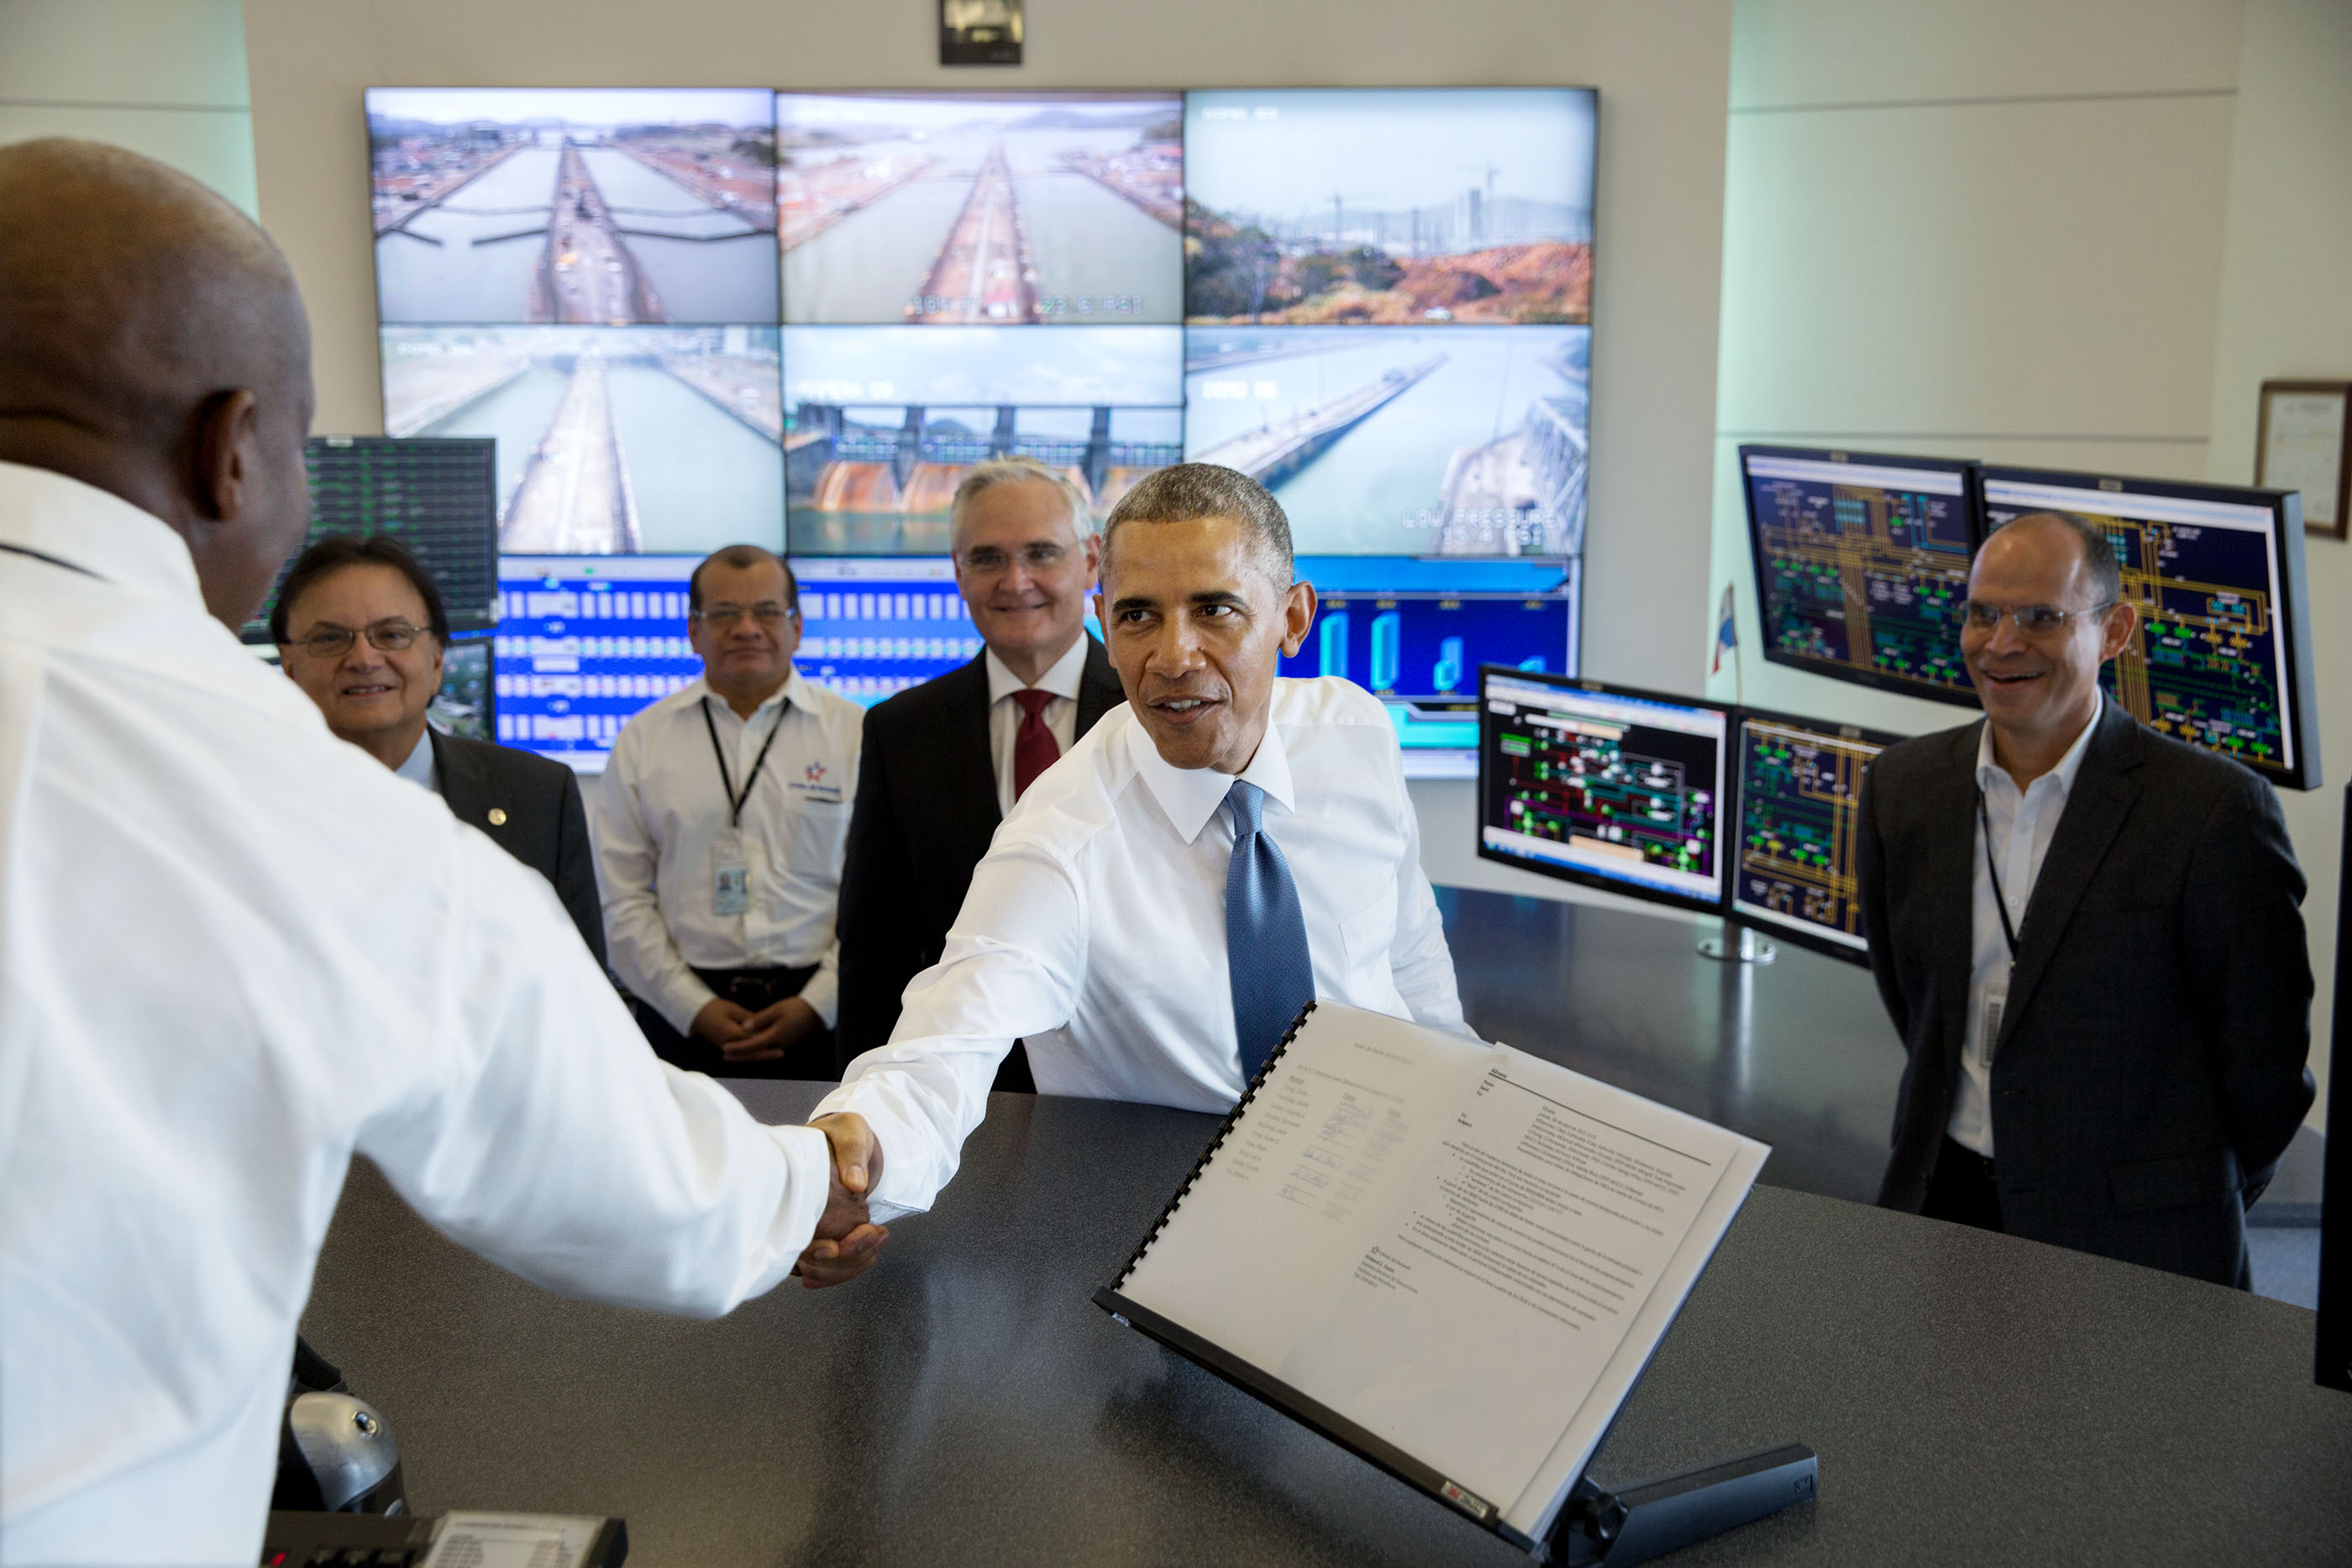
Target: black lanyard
point(2000, 901)
point(735, 801)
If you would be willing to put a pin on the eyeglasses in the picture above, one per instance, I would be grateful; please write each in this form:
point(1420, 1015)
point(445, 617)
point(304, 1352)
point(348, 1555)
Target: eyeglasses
point(2033, 620)
point(393, 636)
point(767, 612)
point(987, 561)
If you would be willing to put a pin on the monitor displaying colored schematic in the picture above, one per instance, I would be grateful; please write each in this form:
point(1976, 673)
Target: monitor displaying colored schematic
point(1793, 854)
point(1862, 562)
point(1602, 785)
point(2223, 655)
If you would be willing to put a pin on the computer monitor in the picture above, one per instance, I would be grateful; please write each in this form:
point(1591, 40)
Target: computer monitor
point(1862, 563)
point(587, 641)
point(2223, 655)
point(1797, 802)
point(1603, 785)
point(1415, 633)
point(433, 497)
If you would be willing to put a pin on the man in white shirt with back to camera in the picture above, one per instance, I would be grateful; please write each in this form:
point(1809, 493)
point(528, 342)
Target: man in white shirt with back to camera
point(214, 992)
point(1163, 900)
point(720, 828)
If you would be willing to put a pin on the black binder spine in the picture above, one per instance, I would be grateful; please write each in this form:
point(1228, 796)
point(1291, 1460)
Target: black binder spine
point(1232, 1119)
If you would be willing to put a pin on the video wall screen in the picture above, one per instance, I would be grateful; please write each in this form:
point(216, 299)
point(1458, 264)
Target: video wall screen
point(883, 423)
point(611, 440)
point(610, 207)
point(1388, 440)
point(1376, 302)
point(980, 209)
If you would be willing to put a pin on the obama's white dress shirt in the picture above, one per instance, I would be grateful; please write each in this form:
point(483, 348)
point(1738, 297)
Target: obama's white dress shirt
point(1095, 929)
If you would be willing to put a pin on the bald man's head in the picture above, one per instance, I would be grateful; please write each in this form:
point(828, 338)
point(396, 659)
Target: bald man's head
point(153, 343)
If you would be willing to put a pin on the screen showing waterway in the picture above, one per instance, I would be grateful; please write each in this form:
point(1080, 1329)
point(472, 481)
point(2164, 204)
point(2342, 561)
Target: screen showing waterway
point(607, 207)
point(1052, 208)
point(1419, 206)
point(883, 423)
point(1380, 441)
point(610, 440)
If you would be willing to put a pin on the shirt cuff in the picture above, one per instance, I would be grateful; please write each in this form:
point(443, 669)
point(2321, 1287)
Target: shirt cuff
point(808, 1162)
point(910, 1180)
point(683, 999)
point(823, 994)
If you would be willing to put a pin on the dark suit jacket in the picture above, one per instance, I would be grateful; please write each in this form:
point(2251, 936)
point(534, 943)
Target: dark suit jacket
point(925, 810)
point(539, 818)
point(2150, 1070)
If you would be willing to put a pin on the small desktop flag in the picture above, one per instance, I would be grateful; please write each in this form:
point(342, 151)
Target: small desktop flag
point(1727, 632)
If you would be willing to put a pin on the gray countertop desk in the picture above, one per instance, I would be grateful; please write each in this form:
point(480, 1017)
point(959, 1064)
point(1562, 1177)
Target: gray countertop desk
point(1974, 1398)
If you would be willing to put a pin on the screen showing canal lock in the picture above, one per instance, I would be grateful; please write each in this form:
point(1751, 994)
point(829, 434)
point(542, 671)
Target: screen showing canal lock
point(616, 207)
point(980, 209)
point(1467, 441)
point(611, 440)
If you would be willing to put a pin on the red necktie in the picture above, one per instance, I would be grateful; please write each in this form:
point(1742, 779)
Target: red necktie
point(1034, 748)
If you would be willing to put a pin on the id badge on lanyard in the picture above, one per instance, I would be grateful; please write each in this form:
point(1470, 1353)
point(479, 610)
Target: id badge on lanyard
point(1996, 1002)
point(731, 867)
point(731, 874)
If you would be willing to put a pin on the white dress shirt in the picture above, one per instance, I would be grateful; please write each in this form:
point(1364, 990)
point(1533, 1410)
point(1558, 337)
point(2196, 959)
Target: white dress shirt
point(660, 812)
point(236, 952)
point(1005, 715)
point(1095, 929)
point(2022, 826)
point(418, 768)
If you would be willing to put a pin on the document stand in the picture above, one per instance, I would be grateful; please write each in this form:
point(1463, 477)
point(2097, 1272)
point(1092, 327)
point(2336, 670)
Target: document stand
point(1634, 1523)
point(1626, 1524)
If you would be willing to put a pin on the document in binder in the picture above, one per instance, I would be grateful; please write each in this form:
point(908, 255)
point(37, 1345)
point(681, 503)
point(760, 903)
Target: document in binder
point(1454, 1258)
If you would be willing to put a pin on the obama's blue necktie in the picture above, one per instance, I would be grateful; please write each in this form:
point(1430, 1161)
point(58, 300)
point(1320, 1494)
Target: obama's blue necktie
point(1266, 934)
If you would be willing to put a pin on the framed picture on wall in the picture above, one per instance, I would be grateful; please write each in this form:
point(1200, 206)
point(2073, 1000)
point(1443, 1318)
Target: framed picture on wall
point(2304, 442)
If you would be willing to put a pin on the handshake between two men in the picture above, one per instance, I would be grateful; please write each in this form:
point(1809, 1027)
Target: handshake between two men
point(847, 1240)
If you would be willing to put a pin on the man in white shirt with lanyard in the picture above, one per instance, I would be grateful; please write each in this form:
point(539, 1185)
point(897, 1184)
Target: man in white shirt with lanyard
point(1163, 901)
point(214, 992)
point(720, 827)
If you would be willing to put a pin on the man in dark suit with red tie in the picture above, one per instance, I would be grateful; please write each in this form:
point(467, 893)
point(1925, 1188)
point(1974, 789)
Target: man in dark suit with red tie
point(944, 762)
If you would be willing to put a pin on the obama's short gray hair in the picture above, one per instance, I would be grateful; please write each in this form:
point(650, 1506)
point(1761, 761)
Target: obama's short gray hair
point(1186, 491)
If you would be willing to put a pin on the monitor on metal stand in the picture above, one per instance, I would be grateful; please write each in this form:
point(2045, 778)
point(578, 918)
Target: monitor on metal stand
point(2336, 1207)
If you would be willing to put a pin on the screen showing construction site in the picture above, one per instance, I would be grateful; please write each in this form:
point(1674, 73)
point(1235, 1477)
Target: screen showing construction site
point(990, 209)
point(881, 423)
point(592, 206)
point(1862, 564)
point(2222, 659)
point(1600, 785)
point(1794, 864)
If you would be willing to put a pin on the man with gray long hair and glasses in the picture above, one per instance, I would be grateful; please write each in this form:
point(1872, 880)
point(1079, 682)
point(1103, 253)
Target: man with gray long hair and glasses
point(944, 762)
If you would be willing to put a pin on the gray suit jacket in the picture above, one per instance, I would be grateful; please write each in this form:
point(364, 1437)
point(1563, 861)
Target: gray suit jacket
point(2150, 1066)
point(531, 806)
